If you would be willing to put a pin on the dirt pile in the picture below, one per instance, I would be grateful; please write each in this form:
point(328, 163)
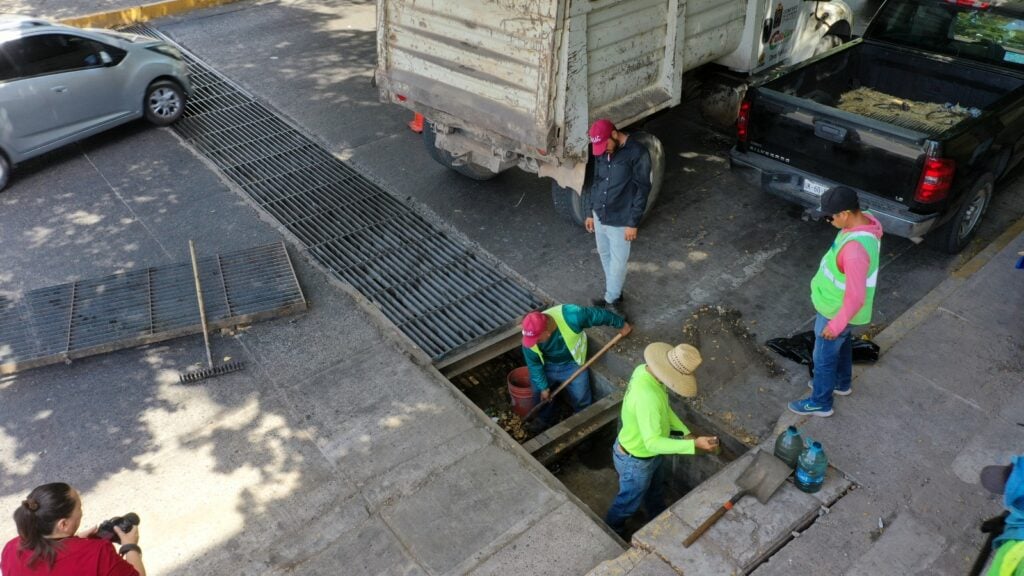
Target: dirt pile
point(725, 344)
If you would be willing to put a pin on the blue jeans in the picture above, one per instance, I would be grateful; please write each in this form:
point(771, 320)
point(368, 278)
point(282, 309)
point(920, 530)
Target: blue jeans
point(833, 363)
point(613, 249)
point(578, 390)
point(639, 481)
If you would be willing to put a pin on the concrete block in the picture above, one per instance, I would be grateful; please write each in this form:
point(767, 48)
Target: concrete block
point(664, 536)
point(466, 507)
point(750, 529)
point(652, 565)
point(907, 546)
point(566, 541)
point(621, 564)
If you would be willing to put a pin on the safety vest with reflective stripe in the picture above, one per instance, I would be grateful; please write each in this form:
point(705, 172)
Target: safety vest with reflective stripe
point(1009, 559)
point(576, 342)
point(829, 284)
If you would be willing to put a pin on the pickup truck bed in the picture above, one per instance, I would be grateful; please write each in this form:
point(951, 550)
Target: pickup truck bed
point(916, 115)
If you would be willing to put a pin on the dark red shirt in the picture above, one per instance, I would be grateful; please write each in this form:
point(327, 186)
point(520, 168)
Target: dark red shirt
point(76, 557)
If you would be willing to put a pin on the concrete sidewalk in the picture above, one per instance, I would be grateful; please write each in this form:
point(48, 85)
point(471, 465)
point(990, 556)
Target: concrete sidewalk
point(942, 402)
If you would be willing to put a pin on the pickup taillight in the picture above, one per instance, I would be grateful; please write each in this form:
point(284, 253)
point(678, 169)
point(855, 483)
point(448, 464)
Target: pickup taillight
point(971, 3)
point(742, 121)
point(936, 178)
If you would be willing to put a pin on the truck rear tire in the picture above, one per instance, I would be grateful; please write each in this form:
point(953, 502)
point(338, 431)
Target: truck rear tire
point(657, 154)
point(5, 171)
point(570, 205)
point(953, 236)
point(445, 158)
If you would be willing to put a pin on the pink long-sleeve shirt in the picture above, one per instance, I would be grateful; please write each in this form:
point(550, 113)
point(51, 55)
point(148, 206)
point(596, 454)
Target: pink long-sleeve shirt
point(854, 263)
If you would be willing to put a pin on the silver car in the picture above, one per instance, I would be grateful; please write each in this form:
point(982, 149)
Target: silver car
point(60, 84)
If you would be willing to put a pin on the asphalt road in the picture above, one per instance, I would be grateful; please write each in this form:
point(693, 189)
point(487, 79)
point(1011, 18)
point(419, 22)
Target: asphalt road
point(711, 239)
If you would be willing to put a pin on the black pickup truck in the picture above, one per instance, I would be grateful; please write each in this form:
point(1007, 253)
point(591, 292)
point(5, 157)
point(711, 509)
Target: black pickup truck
point(921, 116)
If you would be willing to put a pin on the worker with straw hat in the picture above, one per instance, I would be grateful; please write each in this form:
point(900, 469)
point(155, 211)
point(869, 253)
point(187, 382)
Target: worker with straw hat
point(649, 427)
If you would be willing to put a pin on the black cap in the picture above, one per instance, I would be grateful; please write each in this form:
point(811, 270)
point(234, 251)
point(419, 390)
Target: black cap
point(838, 199)
point(994, 478)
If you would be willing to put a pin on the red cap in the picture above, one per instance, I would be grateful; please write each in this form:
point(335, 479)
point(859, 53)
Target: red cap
point(600, 132)
point(534, 324)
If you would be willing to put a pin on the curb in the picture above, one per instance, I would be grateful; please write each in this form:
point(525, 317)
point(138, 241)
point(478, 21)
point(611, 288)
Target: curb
point(134, 14)
point(924, 307)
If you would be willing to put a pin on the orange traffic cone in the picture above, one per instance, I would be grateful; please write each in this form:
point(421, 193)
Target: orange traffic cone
point(416, 124)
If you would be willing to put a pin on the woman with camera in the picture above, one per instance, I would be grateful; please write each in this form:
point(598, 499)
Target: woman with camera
point(47, 545)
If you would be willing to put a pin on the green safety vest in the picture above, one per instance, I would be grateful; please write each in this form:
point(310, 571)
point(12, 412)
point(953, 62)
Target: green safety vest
point(829, 284)
point(575, 341)
point(1009, 559)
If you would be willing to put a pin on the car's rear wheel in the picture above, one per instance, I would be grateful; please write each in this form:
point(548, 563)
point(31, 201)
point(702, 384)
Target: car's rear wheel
point(164, 102)
point(5, 171)
point(954, 235)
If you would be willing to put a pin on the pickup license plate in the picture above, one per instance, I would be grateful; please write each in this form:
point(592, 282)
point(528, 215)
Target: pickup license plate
point(812, 187)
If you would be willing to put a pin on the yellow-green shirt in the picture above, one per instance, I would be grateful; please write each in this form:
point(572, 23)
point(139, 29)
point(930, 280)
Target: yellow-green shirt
point(647, 419)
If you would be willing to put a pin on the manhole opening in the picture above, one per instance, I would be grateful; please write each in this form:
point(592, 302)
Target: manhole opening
point(577, 450)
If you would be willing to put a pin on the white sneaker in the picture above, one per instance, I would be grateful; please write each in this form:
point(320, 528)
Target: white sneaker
point(836, 391)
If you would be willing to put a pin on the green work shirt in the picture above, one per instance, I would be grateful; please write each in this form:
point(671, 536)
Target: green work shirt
point(647, 419)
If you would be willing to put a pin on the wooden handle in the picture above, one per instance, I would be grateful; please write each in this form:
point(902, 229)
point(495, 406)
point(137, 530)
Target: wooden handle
point(533, 413)
point(199, 297)
point(709, 522)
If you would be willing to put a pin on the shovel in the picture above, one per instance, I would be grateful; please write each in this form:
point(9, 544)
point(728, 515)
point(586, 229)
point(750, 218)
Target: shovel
point(762, 478)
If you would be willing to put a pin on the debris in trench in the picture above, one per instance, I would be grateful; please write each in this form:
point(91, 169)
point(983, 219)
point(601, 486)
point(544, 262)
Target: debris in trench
point(486, 386)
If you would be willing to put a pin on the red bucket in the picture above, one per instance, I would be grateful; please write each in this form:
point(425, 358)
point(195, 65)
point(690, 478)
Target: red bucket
point(520, 391)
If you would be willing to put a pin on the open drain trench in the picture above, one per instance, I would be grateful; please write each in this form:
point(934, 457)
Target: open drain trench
point(436, 290)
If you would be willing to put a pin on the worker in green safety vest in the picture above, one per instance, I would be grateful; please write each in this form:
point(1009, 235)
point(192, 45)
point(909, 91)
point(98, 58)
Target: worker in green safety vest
point(843, 294)
point(555, 346)
point(1009, 545)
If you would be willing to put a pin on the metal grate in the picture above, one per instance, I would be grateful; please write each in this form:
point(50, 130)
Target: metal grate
point(437, 291)
point(101, 315)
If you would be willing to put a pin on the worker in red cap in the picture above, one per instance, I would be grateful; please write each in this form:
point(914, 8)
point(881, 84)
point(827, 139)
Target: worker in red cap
point(618, 198)
point(555, 346)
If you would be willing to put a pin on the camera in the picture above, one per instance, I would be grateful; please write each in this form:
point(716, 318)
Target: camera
point(126, 523)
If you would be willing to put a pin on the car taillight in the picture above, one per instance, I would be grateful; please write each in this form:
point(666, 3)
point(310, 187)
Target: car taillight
point(936, 178)
point(971, 3)
point(742, 121)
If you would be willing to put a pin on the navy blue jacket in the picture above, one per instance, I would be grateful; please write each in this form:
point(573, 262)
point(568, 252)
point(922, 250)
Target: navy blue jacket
point(618, 195)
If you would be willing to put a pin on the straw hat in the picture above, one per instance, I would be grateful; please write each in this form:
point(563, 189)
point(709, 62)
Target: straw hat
point(674, 366)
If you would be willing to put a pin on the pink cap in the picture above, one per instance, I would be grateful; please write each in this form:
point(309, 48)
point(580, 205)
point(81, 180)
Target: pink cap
point(534, 325)
point(600, 132)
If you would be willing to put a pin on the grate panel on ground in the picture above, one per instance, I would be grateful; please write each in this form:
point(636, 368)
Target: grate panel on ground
point(438, 292)
point(98, 315)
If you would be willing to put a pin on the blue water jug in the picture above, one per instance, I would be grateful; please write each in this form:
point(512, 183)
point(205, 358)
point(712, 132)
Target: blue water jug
point(789, 445)
point(811, 467)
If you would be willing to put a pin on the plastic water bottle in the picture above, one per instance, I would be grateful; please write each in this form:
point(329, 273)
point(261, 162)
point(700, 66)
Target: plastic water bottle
point(789, 445)
point(811, 467)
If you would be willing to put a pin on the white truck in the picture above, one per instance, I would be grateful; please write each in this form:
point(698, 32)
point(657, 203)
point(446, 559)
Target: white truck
point(507, 83)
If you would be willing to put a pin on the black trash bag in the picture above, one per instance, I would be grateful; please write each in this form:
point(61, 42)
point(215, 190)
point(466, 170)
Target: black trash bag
point(864, 351)
point(800, 349)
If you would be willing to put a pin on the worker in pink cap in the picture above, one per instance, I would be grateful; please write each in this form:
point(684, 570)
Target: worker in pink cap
point(555, 346)
point(618, 198)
